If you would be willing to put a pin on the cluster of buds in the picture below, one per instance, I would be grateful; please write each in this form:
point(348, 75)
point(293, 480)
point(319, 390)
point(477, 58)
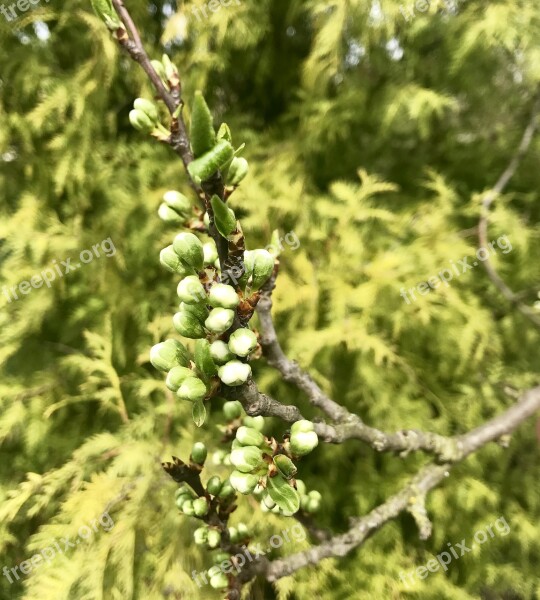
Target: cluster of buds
point(175, 208)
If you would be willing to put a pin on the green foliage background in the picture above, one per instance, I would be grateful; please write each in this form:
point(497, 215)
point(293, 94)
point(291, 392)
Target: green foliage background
point(369, 136)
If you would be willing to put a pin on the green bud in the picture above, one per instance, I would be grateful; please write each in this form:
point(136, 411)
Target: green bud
point(181, 499)
point(200, 535)
point(197, 310)
point(234, 372)
point(219, 581)
point(210, 253)
point(191, 291)
point(312, 506)
point(223, 296)
point(219, 320)
point(249, 437)
point(224, 217)
point(220, 352)
point(303, 443)
point(243, 531)
point(202, 168)
point(256, 423)
point(301, 487)
point(214, 485)
point(302, 426)
point(182, 490)
point(203, 358)
point(171, 261)
point(141, 121)
point(259, 265)
point(242, 342)
point(148, 108)
point(169, 354)
point(200, 507)
point(192, 390)
point(206, 220)
point(199, 453)
point(218, 456)
point(188, 508)
point(247, 459)
point(177, 376)
point(169, 215)
point(227, 490)
point(178, 202)
point(171, 72)
point(224, 133)
point(285, 466)
point(237, 171)
point(268, 502)
point(105, 11)
point(160, 70)
point(214, 538)
point(220, 557)
point(188, 325)
point(190, 249)
point(244, 483)
point(232, 410)
point(202, 134)
point(275, 244)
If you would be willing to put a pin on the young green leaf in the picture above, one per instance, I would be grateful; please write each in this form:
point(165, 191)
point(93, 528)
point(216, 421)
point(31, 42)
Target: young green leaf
point(210, 162)
point(199, 413)
point(203, 136)
point(224, 217)
point(285, 496)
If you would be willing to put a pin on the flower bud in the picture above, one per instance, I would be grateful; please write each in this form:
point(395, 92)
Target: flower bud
point(169, 354)
point(285, 466)
point(210, 253)
point(190, 249)
point(169, 215)
point(160, 70)
point(313, 504)
point(183, 489)
point(301, 487)
point(303, 443)
point(237, 171)
point(199, 453)
point(302, 426)
point(203, 359)
point(249, 437)
point(177, 376)
point(220, 352)
point(171, 71)
point(224, 296)
point(188, 325)
point(226, 490)
point(247, 459)
point(178, 202)
point(244, 483)
point(259, 265)
point(256, 423)
point(171, 261)
point(141, 121)
point(187, 508)
point(148, 108)
point(219, 320)
point(232, 410)
point(181, 499)
point(214, 538)
point(218, 457)
point(200, 507)
point(214, 485)
point(219, 581)
point(197, 310)
point(242, 342)
point(200, 535)
point(192, 390)
point(234, 372)
point(268, 502)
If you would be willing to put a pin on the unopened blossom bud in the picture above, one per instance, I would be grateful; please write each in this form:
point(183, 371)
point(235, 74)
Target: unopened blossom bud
point(210, 253)
point(188, 509)
point(141, 121)
point(181, 499)
point(233, 535)
point(303, 440)
point(249, 437)
point(199, 453)
point(259, 265)
point(160, 70)
point(169, 354)
point(171, 261)
point(200, 536)
point(191, 291)
point(256, 423)
point(219, 320)
point(148, 108)
point(192, 389)
point(243, 531)
point(232, 410)
point(237, 171)
point(214, 485)
point(234, 372)
point(242, 342)
point(188, 325)
point(169, 215)
point(214, 538)
point(178, 202)
point(177, 376)
point(200, 507)
point(219, 581)
point(224, 296)
point(190, 249)
point(244, 483)
point(247, 459)
point(226, 490)
point(220, 352)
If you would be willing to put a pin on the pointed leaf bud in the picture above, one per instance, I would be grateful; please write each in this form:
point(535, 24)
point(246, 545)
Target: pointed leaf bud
point(160, 70)
point(200, 507)
point(188, 325)
point(219, 320)
point(202, 134)
point(285, 466)
point(220, 352)
point(199, 453)
point(192, 389)
point(244, 483)
point(249, 437)
point(178, 202)
point(303, 443)
point(141, 121)
point(169, 354)
point(177, 376)
point(224, 296)
point(190, 249)
point(237, 171)
point(214, 538)
point(232, 410)
point(247, 459)
point(224, 133)
point(234, 372)
point(148, 108)
point(242, 342)
point(214, 485)
point(200, 535)
point(202, 168)
point(171, 71)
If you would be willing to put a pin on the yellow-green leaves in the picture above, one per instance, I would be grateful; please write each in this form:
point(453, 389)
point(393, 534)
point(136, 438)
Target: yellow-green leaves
point(285, 496)
point(203, 136)
point(105, 11)
point(224, 217)
point(202, 168)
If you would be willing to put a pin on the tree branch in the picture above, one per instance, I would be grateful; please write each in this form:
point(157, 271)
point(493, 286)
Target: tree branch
point(488, 200)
